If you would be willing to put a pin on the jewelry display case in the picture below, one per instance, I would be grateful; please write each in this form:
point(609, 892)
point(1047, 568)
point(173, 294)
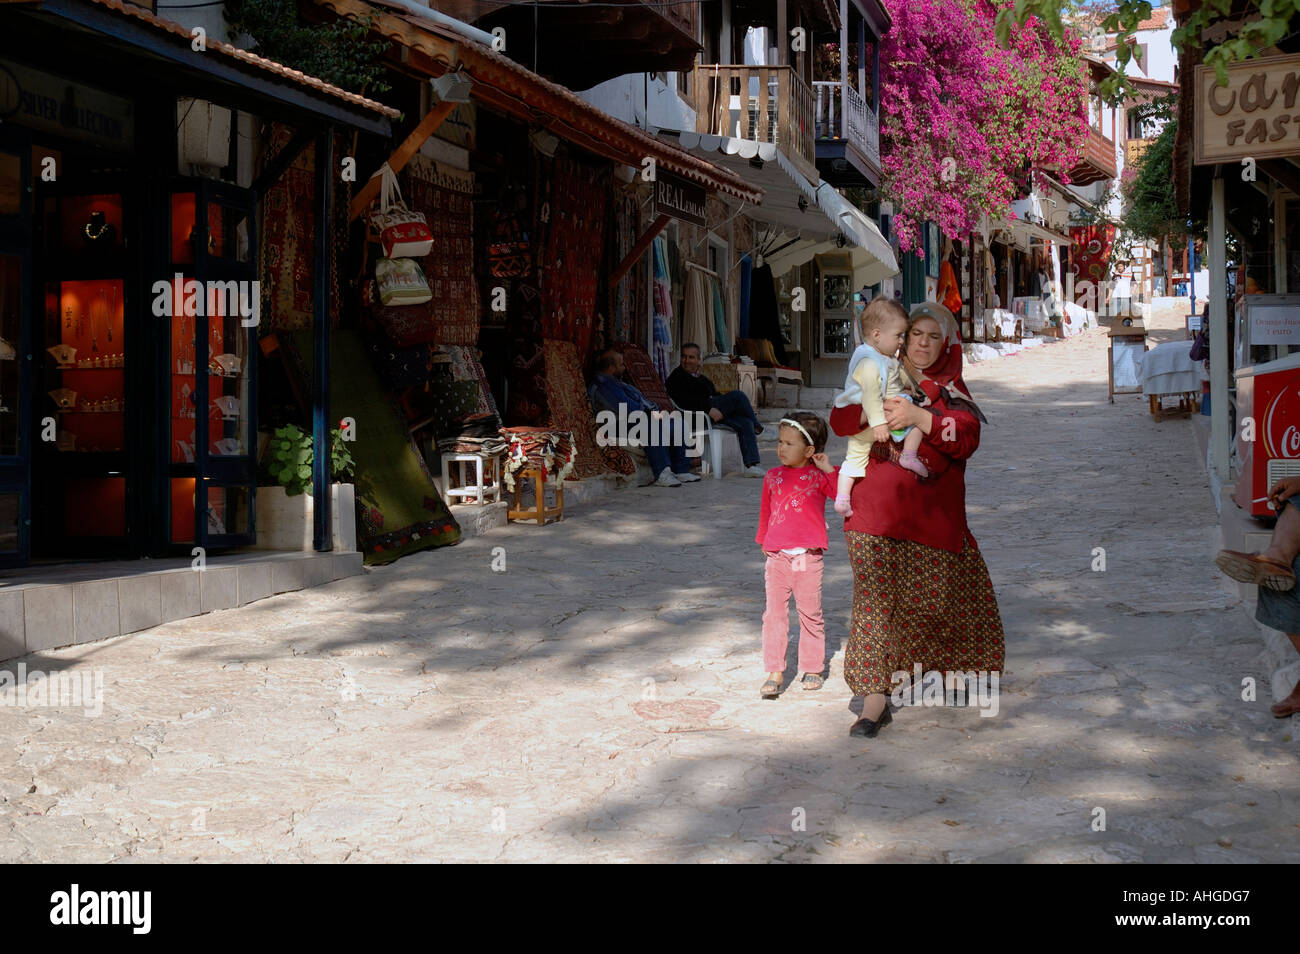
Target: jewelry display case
point(215, 308)
point(83, 361)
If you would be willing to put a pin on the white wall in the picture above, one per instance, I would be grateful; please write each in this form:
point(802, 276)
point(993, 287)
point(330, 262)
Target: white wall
point(624, 97)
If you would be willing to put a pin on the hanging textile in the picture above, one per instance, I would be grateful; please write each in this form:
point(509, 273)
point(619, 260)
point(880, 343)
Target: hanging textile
point(663, 310)
point(764, 319)
point(526, 366)
point(698, 311)
point(742, 320)
point(1090, 261)
point(446, 197)
point(576, 210)
point(286, 244)
point(721, 337)
point(627, 223)
point(570, 410)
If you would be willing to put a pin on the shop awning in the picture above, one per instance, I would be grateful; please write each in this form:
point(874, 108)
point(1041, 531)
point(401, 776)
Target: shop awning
point(813, 218)
point(503, 85)
point(1027, 231)
point(247, 81)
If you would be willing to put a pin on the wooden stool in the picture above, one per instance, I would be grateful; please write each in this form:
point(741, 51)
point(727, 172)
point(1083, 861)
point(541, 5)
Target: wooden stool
point(543, 512)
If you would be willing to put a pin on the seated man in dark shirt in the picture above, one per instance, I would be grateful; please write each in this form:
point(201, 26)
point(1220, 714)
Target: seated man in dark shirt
point(692, 391)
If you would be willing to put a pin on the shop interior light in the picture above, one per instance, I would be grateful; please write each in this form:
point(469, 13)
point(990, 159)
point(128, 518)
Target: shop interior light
point(452, 87)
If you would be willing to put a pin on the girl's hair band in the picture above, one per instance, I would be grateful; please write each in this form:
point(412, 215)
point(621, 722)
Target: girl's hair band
point(800, 428)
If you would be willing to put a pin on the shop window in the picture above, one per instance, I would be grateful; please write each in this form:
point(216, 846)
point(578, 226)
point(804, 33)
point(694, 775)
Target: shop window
point(85, 382)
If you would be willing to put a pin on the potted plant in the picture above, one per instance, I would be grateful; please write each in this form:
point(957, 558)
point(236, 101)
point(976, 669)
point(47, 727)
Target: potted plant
point(285, 493)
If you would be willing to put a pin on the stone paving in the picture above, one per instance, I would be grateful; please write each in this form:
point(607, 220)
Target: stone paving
point(596, 699)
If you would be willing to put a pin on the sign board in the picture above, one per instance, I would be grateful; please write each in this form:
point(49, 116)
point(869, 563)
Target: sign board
point(1255, 116)
point(1273, 321)
point(45, 102)
point(679, 198)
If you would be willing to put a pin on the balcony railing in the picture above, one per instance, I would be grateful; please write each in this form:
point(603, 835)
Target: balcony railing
point(842, 113)
point(1097, 161)
point(759, 103)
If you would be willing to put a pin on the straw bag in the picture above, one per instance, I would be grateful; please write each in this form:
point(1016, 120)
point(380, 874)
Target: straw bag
point(402, 233)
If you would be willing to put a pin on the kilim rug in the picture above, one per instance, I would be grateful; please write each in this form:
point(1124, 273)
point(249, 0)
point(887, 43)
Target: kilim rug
point(465, 368)
point(446, 197)
point(526, 371)
point(398, 507)
point(642, 375)
point(566, 395)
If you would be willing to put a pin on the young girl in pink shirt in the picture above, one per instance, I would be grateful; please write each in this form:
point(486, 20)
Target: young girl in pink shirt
point(792, 532)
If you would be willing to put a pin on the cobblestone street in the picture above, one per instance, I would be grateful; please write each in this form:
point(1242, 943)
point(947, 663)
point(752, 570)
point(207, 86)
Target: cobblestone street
point(598, 700)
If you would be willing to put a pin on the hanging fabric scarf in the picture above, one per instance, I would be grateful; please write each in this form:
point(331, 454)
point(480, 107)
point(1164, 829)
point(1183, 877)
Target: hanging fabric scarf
point(721, 339)
point(663, 310)
point(698, 311)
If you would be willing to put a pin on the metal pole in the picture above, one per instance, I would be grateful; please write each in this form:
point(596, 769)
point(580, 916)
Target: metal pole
point(323, 527)
point(1220, 436)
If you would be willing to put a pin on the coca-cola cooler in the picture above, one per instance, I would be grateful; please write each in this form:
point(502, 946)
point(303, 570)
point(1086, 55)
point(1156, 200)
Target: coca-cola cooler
point(1269, 395)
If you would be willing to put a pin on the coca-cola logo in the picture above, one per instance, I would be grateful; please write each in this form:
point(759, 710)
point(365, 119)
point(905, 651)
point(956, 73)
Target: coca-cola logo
point(1281, 424)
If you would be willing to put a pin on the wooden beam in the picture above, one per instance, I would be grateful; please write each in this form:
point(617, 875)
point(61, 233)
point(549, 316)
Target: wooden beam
point(401, 155)
point(1283, 173)
point(638, 250)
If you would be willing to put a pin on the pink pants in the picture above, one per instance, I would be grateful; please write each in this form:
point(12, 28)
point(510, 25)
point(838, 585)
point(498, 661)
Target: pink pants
point(801, 575)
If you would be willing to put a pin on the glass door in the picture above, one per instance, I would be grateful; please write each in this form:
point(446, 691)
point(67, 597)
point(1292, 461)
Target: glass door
point(86, 461)
point(15, 347)
point(214, 312)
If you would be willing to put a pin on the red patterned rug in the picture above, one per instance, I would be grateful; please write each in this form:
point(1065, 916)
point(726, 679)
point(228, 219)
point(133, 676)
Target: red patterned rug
point(566, 394)
point(446, 197)
point(641, 374)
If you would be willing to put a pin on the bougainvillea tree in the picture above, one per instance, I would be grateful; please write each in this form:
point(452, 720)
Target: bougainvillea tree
point(964, 118)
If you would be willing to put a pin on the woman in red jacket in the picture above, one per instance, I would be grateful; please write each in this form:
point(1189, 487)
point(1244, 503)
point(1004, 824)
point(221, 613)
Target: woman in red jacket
point(921, 592)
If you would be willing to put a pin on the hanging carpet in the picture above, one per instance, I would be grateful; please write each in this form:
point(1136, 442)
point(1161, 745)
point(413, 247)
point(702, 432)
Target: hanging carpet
point(526, 363)
point(446, 197)
point(576, 209)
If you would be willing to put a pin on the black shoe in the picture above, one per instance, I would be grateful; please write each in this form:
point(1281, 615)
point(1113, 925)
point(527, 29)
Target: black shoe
point(868, 729)
point(758, 428)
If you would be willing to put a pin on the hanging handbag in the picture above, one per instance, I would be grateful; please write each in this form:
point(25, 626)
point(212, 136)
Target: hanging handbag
point(402, 233)
point(401, 282)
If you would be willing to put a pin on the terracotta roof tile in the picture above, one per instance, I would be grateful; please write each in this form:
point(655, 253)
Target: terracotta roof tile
point(252, 59)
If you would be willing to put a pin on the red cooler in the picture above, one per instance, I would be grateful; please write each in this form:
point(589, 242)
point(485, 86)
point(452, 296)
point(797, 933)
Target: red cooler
point(1269, 394)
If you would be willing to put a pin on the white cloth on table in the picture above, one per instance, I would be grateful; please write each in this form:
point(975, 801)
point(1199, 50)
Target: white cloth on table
point(1168, 369)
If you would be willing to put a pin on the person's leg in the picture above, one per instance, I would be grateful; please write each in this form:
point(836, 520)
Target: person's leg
point(658, 458)
point(909, 460)
point(735, 404)
point(1291, 704)
point(744, 429)
point(1286, 534)
point(807, 586)
point(776, 616)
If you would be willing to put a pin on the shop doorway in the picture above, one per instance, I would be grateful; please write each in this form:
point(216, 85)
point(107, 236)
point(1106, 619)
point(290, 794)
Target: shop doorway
point(15, 348)
point(143, 331)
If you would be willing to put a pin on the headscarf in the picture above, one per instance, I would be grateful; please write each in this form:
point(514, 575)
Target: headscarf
point(946, 370)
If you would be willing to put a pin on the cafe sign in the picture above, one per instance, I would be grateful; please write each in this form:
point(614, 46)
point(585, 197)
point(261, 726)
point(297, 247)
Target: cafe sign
point(679, 198)
point(1256, 116)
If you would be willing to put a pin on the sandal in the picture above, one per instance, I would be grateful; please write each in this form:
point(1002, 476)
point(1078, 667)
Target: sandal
point(1257, 569)
point(812, 680)
point(771, 689)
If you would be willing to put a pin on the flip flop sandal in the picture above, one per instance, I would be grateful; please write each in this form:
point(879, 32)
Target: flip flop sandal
point(1253, 568)
point(812, 680)
point(771, 689)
